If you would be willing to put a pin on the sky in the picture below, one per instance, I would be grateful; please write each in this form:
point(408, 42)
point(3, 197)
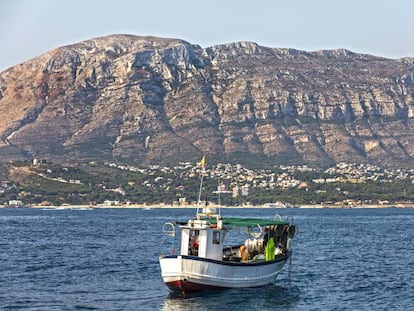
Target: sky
point(29, 28)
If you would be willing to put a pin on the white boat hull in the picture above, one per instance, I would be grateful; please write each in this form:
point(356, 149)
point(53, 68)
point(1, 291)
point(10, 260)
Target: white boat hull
point(191, 273)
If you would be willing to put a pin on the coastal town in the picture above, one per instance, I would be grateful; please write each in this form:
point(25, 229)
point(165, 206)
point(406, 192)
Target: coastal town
point(343, 185)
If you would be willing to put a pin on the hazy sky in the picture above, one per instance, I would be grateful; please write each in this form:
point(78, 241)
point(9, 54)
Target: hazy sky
point(29, 28)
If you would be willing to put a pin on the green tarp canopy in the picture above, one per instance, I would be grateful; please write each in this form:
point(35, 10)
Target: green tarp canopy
point(250, 222)
point(243, 222)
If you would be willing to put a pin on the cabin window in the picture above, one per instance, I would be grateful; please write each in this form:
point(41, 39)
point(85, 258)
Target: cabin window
point(216, 237)
point(193, 242)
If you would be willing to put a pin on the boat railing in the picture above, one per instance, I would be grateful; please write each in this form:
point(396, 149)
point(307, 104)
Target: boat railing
point(169, 229)
point(277, 217)
point(256, 231)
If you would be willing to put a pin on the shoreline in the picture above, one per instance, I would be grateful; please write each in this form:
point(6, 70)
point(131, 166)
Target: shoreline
point(167, 206)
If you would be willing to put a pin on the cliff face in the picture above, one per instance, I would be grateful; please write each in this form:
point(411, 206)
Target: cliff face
point(148, 100)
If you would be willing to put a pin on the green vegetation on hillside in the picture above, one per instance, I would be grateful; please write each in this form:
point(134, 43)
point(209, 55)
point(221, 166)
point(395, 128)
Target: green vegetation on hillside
point(94, 183)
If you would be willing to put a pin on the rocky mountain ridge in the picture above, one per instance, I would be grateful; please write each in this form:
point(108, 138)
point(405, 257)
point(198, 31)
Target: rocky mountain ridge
point(143, 100)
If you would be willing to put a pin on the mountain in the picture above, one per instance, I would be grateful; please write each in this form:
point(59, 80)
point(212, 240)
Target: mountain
point(148, 100)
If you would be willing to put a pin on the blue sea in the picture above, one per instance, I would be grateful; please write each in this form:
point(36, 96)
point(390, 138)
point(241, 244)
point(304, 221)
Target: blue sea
point(107, 259)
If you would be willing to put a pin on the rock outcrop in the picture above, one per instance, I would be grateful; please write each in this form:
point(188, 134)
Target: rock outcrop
point(143, 100)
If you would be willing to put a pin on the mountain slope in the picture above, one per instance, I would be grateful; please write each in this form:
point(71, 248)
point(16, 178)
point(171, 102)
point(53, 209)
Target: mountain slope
point(148, 100)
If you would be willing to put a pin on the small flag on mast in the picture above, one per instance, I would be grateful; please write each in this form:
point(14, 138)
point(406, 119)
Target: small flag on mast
point(202, 163)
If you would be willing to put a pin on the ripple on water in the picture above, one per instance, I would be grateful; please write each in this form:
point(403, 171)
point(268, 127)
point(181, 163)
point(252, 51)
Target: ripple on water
point(108, 260)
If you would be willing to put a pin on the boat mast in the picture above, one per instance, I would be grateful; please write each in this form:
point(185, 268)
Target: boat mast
point(199, 192)
point(201, 164)
point(218, 193)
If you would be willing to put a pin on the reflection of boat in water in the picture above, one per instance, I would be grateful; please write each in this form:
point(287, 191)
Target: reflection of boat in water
point(172, 303)
point(270, 295)
point(206, 262)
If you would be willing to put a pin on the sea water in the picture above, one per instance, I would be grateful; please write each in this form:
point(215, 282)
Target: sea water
point(107, 259)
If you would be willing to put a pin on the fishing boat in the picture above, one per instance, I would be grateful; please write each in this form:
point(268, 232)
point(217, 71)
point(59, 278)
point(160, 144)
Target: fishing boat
point(205, 260)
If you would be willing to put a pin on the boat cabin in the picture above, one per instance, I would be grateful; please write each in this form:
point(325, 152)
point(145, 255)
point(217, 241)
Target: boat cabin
point(201, 238)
